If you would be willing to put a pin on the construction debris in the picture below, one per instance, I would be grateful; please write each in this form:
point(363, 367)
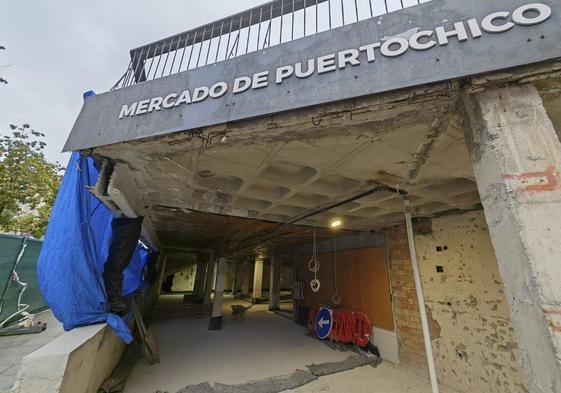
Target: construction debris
point(280, 384)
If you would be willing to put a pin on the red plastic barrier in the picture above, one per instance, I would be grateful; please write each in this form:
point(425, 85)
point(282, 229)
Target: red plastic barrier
point(362, 328)
point(347, 326)
point(348, 330)
point(338, 325)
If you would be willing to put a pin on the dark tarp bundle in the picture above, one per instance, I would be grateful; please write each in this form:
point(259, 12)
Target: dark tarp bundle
point(76, 246)
point(126, 232)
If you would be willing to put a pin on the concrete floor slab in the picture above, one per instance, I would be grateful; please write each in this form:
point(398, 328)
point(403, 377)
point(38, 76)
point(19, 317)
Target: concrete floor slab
point(386, 378)
point(263, 345)
point(14, 348)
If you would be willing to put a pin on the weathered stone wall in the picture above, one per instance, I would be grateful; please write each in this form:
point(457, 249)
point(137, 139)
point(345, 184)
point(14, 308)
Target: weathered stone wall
point(475, 347)
point(469, 319)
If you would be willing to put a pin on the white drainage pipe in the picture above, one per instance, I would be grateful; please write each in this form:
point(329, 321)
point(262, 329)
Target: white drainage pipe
point(420, 296)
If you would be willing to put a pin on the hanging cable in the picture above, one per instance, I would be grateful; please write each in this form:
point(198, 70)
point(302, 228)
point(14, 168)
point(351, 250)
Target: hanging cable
point(336, 299)
point(313, 266)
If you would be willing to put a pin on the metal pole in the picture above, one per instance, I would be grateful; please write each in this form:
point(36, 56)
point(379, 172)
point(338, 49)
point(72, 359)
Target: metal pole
point(305, 17)
point(317, 16)
point(292, 36)
point(329, 10)
point(420, 296)
point(281, 20)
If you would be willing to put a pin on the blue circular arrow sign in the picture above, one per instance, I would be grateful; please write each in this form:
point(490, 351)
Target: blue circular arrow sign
point(324, 322)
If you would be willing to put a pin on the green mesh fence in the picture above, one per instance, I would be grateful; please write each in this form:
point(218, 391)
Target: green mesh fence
point(10, 247)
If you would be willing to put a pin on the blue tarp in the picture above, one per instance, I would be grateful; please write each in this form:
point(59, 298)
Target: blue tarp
point(74, 252)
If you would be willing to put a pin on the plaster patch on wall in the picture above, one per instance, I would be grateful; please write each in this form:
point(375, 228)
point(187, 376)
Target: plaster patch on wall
point(476, 349)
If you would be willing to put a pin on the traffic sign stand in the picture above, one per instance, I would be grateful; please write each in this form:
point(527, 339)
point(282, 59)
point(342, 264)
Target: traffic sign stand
point(323, 323)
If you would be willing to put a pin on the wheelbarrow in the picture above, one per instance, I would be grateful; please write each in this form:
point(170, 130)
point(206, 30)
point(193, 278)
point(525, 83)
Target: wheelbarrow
point(238, 312)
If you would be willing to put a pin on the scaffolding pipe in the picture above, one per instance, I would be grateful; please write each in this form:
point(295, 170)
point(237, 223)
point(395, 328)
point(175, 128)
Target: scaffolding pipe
point(420, 296)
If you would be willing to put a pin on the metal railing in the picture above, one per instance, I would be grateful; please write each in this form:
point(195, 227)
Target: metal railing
point(249, 31)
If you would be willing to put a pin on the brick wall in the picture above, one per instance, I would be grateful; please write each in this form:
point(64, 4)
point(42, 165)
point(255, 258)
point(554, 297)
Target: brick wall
point(406, 307)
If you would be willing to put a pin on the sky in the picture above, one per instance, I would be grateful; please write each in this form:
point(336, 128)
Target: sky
point(58, 49)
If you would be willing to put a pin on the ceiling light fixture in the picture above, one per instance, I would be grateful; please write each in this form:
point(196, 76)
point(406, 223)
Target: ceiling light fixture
point(336, 223)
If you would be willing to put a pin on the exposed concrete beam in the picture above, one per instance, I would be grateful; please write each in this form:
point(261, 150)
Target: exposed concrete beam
point(516, 157)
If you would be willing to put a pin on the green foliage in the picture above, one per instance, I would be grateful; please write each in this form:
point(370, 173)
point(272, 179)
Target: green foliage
point(28, 182)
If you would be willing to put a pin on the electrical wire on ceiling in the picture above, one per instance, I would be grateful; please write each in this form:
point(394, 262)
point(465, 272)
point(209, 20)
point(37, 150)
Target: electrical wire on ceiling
point(336, 299)
point(274, 233)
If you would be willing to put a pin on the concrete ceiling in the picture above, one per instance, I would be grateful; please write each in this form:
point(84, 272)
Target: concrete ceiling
point(270, 171)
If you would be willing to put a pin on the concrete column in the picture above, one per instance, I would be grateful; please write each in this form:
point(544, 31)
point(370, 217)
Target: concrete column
point(209, 281)
point(215, 322)
point(245, 277)
point(200, 276)
point(516, 158)
point(235, 281)
point(258, 280)
point(164, 259)
point(274, 284)
point(295, 304)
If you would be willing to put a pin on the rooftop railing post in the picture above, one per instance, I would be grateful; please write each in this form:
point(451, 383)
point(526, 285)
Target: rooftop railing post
point(293, 12)
point(192, 49)
point(305, 17)
point(167, 58)
point(249, 32)
point(229, 36)
point(281, 20)
point(209, 45)
point(184, 50)
point(201, 47)
point(139, 75)
point(152, 60)
point(139, 71)
point(219, 41)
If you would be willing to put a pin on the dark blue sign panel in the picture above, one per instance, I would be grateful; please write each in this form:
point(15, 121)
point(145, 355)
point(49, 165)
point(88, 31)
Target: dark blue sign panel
point(324, 322)
point(434, 41)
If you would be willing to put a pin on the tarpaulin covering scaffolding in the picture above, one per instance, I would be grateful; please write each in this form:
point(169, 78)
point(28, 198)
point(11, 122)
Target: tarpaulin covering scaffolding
point(74, 252)
point(19, 254)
